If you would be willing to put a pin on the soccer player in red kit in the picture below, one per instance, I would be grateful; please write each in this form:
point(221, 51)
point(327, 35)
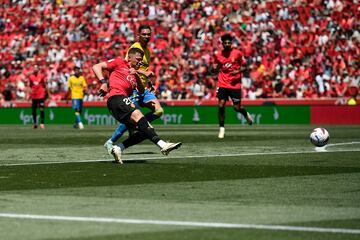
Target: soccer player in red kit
point(37, 84)
point(124, 78)
point(229, 63)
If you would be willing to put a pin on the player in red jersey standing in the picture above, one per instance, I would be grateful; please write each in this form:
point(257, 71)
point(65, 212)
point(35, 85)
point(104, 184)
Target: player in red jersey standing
point(37, 84)
point(124, 78)
point(228, 63)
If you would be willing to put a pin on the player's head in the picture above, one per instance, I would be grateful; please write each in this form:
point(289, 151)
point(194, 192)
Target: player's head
point(135, 57)
point(226, 41)
point(144, 34)
point(77, 71)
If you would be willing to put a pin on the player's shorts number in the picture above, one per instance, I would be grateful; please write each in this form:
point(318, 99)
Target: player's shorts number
point(127, 101)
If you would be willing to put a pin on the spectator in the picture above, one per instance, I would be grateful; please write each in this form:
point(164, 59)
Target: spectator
point(75, 33)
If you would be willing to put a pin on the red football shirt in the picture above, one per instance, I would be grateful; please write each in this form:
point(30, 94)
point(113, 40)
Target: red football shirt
point(37, 84)
point(121, 82)
point(229, 63)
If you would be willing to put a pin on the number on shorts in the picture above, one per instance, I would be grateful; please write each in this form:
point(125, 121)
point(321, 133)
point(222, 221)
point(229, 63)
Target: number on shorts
point(127, 101)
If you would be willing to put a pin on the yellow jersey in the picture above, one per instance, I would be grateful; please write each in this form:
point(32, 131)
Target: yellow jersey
point(145, 62)
point(77, 85)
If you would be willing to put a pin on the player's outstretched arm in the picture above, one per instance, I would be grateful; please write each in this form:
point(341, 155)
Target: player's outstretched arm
point(148, 74)
point(98, 71)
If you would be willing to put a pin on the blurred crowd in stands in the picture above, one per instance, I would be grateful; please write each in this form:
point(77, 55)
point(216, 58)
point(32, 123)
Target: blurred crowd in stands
point(293, 48)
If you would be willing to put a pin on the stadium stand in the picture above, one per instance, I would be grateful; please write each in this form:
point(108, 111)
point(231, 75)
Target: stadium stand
point(293, 48)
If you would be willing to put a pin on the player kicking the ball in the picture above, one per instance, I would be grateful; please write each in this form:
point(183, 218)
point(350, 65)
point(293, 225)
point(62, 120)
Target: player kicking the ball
point(124, 78)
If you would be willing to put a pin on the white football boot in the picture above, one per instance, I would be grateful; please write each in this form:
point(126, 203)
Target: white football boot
point(116, 152)
point(108, 146)
point(221, 132)
point(169, 147)
point(81, 125)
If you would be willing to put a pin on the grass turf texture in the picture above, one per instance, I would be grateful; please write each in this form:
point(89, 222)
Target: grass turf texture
point(256, 175)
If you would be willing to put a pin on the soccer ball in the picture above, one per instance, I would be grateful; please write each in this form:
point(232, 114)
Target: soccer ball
point(319, 137)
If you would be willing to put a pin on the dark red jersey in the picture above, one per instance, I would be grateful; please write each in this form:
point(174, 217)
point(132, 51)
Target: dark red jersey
point(121, 82)
point(37, 84)
point(227, 64)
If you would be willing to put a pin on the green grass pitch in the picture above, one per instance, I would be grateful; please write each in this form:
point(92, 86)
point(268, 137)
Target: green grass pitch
point(259, 182)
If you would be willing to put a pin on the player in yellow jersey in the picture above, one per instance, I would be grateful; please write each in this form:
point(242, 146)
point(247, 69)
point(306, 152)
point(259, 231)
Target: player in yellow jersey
point(77, 86)
point(148, 98)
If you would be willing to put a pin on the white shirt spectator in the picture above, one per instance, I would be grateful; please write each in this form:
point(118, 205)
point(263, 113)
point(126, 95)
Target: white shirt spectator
point(320, 81)
point(323, 39)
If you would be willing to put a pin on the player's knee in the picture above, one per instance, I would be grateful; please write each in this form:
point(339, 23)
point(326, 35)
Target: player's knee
point(159, 112)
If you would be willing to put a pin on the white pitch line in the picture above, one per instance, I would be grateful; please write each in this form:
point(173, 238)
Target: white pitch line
point(180, 223)
point(178, 157)
point(339, 144)
point(323, 149)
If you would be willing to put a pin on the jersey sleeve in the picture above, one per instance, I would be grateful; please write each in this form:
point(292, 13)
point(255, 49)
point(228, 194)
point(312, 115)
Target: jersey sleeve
point(113, 63)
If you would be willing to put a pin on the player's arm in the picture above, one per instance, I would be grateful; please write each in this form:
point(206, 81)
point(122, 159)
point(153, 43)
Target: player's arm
point(84, 85)
point(98, 71)
point(28, 90)
point(139, 86)
point(148, 74)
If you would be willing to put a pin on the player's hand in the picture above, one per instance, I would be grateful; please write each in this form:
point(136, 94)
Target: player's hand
point(150, 74)
point(103, 90)
point(133, 71)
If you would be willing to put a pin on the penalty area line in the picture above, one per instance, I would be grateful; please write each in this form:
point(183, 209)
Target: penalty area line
point(180, 223)
point(177, 157)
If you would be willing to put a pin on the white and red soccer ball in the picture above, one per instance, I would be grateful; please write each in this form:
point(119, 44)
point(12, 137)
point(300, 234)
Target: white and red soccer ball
point(319, 137)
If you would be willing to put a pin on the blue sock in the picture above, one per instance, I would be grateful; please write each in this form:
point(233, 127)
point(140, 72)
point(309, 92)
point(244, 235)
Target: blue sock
point(119, 131)
point(150, 116)
point(77, 117)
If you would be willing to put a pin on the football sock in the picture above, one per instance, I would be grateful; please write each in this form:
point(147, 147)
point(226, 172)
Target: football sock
point(133, 139)
point(77, 117)
point(121, 146)
point(147, 130)
point(221, 116)
point(119, 131)
point(161, 143)
point(242, 111)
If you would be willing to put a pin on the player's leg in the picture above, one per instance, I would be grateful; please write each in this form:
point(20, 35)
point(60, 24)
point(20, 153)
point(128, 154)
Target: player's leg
point(125, 112)
point(222, 96)
point(236, 99)
point(77, 105)
point(150, 101)
point(148, 132)
point(78, 113)
point(42, 113)
point(121, 128)
point(34, 104)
